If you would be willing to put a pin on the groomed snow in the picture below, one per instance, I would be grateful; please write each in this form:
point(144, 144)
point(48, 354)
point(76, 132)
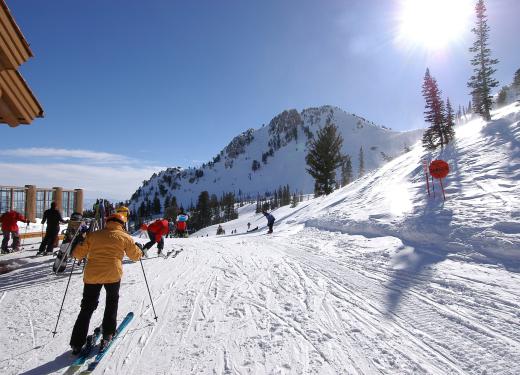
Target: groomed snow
point(375, 278)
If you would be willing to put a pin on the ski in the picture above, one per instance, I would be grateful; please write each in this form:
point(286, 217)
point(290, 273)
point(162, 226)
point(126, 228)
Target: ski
point(174, 252)
point(92, 365)
point(85, 352)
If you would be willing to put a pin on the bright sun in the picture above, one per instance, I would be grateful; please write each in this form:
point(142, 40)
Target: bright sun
point(434, 24)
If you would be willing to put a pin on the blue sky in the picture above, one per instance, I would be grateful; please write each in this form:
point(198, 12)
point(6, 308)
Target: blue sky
point(167, 83)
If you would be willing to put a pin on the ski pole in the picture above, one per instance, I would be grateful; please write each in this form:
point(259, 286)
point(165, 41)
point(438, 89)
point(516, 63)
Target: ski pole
point(147, 287)
point(24, 235)
point(64, 295)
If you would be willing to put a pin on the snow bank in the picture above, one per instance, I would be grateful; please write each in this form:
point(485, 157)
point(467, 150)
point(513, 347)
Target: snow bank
point(481, 214)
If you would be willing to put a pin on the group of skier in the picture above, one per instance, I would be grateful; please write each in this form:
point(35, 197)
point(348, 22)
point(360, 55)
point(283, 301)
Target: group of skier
point(105, 250)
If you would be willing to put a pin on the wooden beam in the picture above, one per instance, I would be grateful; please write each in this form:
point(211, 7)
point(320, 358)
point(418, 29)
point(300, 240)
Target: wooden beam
point(19, 46)
point(6, 115)
point(12, 95)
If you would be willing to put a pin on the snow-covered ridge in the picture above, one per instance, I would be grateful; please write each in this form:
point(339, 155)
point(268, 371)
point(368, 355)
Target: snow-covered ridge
point(278, 151)
point(479, 219)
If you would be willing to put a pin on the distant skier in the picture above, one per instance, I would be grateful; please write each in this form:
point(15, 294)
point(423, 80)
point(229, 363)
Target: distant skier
point(104, 250)
point(9, 222)
point(182, 224)
point(270, 221)
point(53, 218)
point(156, 231)
point(248, 226)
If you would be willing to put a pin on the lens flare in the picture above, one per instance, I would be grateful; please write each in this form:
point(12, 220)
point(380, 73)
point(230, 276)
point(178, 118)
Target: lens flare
point(434, 24)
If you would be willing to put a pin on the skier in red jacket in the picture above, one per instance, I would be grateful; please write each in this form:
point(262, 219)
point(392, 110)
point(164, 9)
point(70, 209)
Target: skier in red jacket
point(156, 231)
point(9, 222)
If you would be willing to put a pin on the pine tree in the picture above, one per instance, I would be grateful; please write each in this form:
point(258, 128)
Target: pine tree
point(434, 113)
point(294, 200)
point(346, 171)
point(502, 96)
point(142, 210)
point(286, 196)
point(258, 205)
point(228, 204)
point(215, 209)
point(516, 79)
point(482, 81)
point(449, 123)
point(202, 217)
point(324, 157)
point(429, 139)
point(274, 201)
point(361, 162)
point(156, 205)
point(255, 166)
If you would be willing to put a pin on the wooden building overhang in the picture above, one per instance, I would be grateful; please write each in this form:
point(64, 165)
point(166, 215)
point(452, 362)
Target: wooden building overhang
point(18, 105)
point(14, 49)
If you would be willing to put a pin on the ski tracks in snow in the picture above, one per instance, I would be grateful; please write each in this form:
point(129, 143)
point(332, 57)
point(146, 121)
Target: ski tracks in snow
point(314, 306)
point(447, 322)
point(312, 303)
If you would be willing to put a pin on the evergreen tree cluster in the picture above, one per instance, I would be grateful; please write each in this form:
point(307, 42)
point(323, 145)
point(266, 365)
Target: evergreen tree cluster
point(463, 112)
point(511, 90)
point(438, 114)
point(279, 198)
point(210, 210)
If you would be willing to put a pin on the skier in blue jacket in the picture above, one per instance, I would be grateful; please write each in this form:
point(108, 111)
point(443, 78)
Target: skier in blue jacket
point(270, 221)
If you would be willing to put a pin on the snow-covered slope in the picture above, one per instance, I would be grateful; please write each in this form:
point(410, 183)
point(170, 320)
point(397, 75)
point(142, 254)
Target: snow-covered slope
point(375, 278)
point(279, 148)
point(481, 213)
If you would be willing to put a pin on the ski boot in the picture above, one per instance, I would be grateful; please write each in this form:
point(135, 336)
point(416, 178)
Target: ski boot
point(104, 342)
point(75, 349)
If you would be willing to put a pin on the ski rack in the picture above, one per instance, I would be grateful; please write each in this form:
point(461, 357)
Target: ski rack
point(66, 255)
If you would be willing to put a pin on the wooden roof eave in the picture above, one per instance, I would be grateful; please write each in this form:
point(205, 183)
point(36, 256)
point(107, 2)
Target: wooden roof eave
point(17, 100)
point(13, 45)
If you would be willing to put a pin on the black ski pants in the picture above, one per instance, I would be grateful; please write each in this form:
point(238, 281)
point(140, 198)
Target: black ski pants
point(270, 226)
point(89, 304)
point(7, 238)
point(48, 241)
point(160, 244)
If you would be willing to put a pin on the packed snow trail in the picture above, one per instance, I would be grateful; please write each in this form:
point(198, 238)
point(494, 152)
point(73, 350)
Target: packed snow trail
point(318, 303)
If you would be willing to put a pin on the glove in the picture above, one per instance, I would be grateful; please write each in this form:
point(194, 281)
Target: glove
point(140, 246)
